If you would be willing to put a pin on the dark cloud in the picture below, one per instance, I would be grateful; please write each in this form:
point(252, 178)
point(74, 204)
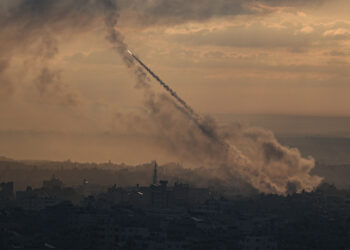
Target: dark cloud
point(30, 29)
point(165, 12)
point(31, 13)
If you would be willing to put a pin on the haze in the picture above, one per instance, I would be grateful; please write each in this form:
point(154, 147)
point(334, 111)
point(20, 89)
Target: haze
point(66, 93)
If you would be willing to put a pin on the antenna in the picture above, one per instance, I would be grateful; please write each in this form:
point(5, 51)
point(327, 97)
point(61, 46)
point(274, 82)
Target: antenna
point(155, 173)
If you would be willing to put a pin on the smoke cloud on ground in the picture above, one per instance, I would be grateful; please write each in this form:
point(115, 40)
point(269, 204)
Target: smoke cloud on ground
point(233, 154)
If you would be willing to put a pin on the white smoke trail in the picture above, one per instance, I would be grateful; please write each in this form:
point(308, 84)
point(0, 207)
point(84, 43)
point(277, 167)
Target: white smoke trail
point(165, 86)
point(188, 111)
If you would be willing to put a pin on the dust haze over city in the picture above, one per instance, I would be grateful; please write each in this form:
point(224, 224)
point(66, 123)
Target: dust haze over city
point(237, 97)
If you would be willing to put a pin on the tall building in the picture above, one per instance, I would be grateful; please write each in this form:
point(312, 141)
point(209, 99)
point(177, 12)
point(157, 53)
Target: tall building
point(159, 195)
point(155, 173)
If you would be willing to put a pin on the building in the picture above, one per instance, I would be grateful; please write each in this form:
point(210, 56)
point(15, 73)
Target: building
point(7, 191)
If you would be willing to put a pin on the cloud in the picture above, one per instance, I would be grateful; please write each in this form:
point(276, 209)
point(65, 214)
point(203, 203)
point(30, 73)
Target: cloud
point(307, 29)
point(165, 12)
point(106, 56)
point(340, 33)
point(256, 35)
point(338, 53)
point(263, 34)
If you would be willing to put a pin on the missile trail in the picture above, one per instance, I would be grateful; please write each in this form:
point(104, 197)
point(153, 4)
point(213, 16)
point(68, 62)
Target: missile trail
point(188, 111)
point(172, 92)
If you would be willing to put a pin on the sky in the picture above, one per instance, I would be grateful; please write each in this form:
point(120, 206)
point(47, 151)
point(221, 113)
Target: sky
point(60, 73)
point(69, 89)
point(238, 57)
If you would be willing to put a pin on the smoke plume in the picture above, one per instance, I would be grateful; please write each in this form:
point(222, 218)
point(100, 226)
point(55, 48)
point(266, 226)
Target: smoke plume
point(6, 87)
point(30, 32)
point(249, 154)
point(233, 154)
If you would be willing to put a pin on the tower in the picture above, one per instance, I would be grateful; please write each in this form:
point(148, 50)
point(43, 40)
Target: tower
point(155, 173)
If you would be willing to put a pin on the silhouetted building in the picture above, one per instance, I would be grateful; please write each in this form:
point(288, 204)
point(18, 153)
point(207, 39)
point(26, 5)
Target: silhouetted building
point(35, 199)
point(54, 183)
point(159, 195)
point(179, 195)
point(155, 173)
point(7, 191)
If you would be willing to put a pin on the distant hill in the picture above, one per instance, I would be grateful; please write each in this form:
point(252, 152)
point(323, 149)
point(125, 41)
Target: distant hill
point(3, 158)
point(107, 174)
point(32, 173)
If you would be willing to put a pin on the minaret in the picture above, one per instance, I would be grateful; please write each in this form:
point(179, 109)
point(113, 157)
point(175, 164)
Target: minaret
point(155, 173)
